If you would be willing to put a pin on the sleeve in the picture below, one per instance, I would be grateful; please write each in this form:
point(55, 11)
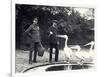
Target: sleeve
point(27, 31)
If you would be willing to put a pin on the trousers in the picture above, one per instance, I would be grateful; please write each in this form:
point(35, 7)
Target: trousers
point(56, 52)
point(33, 48)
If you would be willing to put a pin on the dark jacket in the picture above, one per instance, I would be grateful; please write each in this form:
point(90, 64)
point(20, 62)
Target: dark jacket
point(52, 37)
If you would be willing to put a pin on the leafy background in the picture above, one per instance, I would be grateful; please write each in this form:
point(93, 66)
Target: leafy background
point(80, 29)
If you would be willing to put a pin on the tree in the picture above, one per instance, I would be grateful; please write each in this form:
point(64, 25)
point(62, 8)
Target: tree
point(73, 23)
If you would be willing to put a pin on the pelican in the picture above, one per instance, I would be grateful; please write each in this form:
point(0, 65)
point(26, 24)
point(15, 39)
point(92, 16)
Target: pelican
point(78, 54)
point(67, 50)
point(85, 56)
point(90, 54)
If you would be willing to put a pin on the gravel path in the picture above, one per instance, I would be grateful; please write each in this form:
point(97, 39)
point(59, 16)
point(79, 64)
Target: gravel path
point(22, 59)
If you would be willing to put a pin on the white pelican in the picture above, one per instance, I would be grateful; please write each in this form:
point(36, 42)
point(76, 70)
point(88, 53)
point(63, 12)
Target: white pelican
point(67, 50)
point(83, 55)
point(90, 54)
point(77, 54)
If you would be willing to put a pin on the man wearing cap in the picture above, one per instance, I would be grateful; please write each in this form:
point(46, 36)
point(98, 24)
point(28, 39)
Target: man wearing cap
point(53, 42)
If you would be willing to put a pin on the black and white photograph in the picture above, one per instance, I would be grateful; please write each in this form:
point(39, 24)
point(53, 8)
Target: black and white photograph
point(54, 38)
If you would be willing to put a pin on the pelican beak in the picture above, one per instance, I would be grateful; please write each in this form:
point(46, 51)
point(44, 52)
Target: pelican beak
point(91, 43)
point(76, 47)
point(87, 44)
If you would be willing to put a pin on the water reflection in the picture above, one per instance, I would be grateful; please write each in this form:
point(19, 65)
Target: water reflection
point(59, 67)
point(68, 67)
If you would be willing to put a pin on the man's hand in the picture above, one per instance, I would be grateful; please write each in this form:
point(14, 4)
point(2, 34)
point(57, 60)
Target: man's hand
point(50, 33)
point(58, 42)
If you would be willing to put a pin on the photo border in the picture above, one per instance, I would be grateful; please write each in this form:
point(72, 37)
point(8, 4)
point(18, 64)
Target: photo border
point(46, 3)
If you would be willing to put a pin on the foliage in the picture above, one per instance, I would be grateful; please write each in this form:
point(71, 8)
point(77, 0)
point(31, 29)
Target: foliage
point(70, 22)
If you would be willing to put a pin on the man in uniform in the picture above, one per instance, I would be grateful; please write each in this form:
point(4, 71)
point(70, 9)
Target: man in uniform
point(53, 42)
point(34, 34)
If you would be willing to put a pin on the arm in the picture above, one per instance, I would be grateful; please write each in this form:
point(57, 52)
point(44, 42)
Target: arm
point(28, 33)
